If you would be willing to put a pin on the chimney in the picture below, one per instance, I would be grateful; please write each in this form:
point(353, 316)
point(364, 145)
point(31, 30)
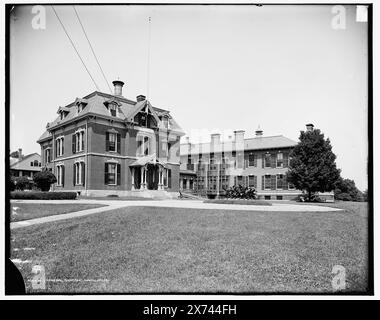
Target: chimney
point(118, 87)
point(239, 148)
point(215, 138)
point(239, 136)
point(20, 156)
point(309, 127)
point(140, 98)
point(259, 132)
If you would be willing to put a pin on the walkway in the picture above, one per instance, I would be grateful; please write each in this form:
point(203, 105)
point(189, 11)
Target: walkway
point(190, 204)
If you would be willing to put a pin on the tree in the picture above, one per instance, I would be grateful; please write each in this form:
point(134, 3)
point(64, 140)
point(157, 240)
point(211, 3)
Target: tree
point(44, 179)
point(312, 165)
point(365, 195)
point(22, 183)
point(346, 190)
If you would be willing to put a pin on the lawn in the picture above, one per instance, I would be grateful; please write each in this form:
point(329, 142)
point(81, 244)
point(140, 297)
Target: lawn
point(147, 249)
point(24, 211)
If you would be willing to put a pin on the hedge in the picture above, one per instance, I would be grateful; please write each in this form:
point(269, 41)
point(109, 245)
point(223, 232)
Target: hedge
point(40, 195)
point(240, 201)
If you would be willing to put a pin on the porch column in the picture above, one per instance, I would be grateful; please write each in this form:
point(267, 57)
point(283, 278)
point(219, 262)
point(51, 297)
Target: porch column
point(133, 178)
point(160, 187)
point(181, 184)
point(145, 170)
point(142, 178)
point(188, 184)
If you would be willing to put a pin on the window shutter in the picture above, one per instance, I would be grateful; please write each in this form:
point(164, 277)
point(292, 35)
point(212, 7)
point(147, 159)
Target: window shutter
point(255, 182)
point(285, 183)
point(63, 176)
point(63, 146)
point(262, 182)
point(273, 160)
point(106, 173)
point(82, 141)
point(273, 182)
point(118, 138)
point(74, 174)
point(73, 143)
point(285, 155)
point(169, 178)
point(255, 160)
point(118, 174)
point(83, 173)
point(55, 149)
point(263, 160)
point(107, 141)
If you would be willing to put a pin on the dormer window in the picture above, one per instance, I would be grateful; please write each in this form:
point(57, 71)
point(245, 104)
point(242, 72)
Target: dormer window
point(81, 104)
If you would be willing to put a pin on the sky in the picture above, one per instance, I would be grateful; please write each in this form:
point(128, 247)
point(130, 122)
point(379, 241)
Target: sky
point(216, 68)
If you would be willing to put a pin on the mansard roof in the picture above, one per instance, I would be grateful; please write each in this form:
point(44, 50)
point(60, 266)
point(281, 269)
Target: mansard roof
point(95, 104)
point(257, 143)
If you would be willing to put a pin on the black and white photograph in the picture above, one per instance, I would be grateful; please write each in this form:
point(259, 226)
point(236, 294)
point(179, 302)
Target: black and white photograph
point(189, 149)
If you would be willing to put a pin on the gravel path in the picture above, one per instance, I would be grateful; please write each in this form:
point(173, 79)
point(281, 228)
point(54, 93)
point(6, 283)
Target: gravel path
point(193, 204)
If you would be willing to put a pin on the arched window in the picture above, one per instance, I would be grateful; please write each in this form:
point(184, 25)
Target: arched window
point(35, 163)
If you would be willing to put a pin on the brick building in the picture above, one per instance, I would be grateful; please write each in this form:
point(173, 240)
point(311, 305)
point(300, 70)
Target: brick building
point(260, 162)
point(105, 144)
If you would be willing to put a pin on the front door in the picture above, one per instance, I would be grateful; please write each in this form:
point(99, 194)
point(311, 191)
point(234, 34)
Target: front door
point(152, 177)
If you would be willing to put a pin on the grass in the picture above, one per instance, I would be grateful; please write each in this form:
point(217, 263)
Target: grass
point(26, 211)
point(146, 249)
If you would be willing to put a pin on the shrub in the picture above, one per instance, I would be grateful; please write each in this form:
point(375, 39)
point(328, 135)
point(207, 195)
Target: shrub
point(305, 197)
point(43, 195)
point(44, 179)
point(239, 201)
point(23, 183)
point(12, 183)
point(241, 192)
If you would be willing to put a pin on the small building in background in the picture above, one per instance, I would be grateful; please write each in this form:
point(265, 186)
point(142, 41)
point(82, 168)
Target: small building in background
point(27, 165)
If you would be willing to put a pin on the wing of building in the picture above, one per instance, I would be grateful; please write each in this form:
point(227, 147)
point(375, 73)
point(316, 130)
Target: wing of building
point(105, 144)
point(208, 169)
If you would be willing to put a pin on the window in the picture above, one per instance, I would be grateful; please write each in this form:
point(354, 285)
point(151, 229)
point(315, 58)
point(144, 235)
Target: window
point(59, 146)
point(280, 181)
point(60, 175)
point(267, 160)
point(267, 181)
point(252, 181)
point(113, 109)
point(113, 142)
point(239, 180)
point(47, 155)
point(31, 163)
point(278, 197)
point(280, 160)
point(79, 173)
point(267, 197)
point(251, 159)
point(146, 146)
point(112, 174)
point(78, 141)
point(35, 163)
